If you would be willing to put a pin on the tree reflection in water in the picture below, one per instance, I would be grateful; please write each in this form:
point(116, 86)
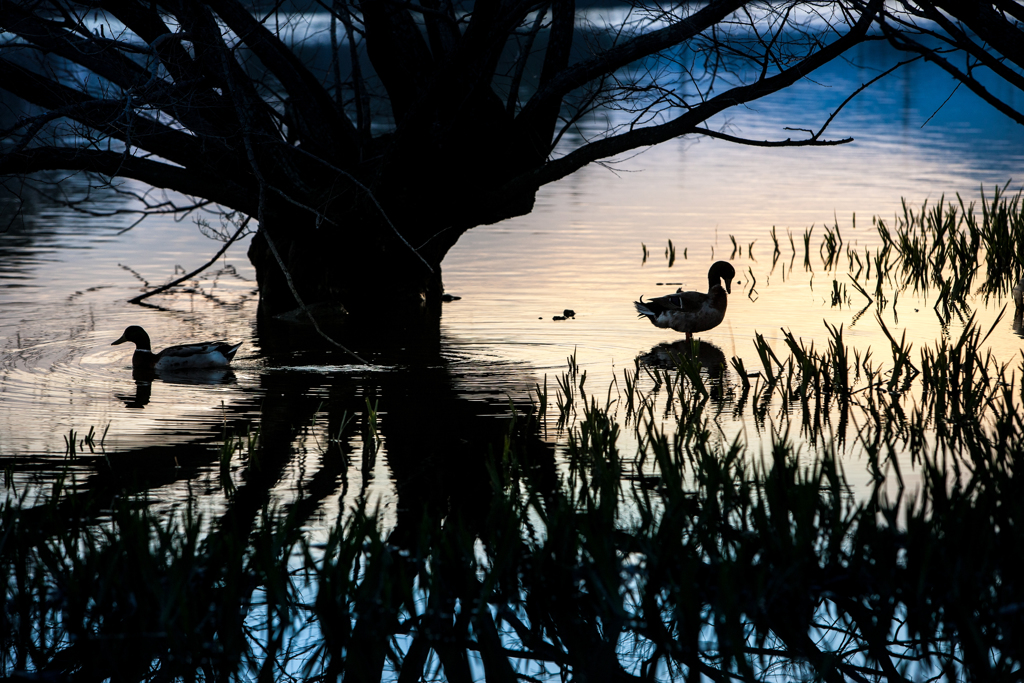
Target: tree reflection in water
point(689, 558)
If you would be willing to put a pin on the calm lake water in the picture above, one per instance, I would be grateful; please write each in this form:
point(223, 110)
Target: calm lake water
point(65, 279)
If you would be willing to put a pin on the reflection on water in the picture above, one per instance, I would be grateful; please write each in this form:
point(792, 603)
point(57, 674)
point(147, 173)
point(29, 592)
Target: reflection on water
point(144, 382)
point(669, 354)
point(65, 278)
point(143, 390)
point(773, 551)
point(209, 376)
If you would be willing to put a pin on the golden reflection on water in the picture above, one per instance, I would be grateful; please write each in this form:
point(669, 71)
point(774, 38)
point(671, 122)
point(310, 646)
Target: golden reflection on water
point(582, 248)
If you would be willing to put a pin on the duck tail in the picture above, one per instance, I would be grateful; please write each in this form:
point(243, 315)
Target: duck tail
point(643, 310)
point(230, 351)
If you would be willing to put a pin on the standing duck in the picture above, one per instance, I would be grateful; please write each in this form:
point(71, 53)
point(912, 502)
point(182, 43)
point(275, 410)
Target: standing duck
point(691, 312)
point(213, 354)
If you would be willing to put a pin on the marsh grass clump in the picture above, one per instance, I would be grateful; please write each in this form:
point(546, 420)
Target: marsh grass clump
point(955, 248)
point(100, 600)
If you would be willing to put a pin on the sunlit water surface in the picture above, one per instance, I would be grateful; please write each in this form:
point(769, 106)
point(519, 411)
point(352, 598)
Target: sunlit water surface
point(65, 279)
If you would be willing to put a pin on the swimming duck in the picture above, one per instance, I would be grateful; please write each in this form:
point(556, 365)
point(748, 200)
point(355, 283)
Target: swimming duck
point(185, 357)
point(691, 312)
point(1018, 294)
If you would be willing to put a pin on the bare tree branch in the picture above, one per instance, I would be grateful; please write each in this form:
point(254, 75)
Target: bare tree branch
point(619, 56)
point(688, 121)
point(809, 142)
point(524, 56)
point(113, 164)
point(309, 96)
point(189, 276)
point(903, 41)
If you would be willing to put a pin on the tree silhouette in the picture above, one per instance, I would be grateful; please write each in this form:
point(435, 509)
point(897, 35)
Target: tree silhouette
point(367, 137)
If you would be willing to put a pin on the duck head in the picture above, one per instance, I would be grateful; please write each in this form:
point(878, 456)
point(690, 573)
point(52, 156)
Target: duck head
point(721, 270)
point(136, 335)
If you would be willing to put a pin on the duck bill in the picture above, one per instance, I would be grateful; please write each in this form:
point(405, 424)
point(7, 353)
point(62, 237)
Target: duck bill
point(119, 341)
point(728, 286)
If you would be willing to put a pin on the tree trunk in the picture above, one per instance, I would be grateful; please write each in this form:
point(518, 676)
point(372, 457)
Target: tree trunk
point(342, 276)
point(374, 254)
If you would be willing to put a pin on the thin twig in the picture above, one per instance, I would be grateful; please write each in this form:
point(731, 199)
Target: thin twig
point(164, 288)
point(861, 89)
point(939, 108)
